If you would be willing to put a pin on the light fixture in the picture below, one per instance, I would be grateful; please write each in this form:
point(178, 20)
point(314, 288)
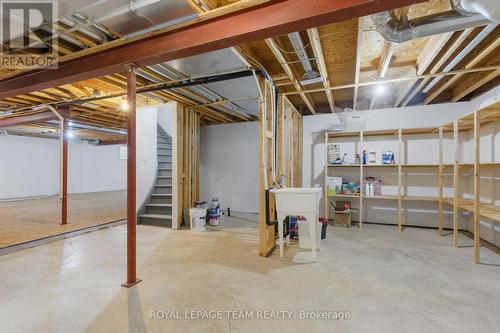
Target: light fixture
point(380, 89)
point(70, 135)
point(124, 105)
point(70, 123)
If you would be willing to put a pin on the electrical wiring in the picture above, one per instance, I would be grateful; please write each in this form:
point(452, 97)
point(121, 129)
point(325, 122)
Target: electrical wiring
point(306, 46)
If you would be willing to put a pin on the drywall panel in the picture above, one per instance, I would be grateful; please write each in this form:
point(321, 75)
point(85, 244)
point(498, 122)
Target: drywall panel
point(30, 167)
point(95, 169)
point(165, 117)
point(147, 161)
point(229, 165)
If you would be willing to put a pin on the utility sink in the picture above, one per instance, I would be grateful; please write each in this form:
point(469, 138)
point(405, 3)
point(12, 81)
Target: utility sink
point(303, 199)
point(299, 201)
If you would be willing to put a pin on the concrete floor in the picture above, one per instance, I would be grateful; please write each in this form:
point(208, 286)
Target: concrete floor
point(413, 281)
point(27, 220)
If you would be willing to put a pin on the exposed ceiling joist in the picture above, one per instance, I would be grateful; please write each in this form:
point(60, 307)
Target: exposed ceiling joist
point(214, 32)
point(314, 38)
point(288, 70)
point(476, 80)
point(493, 45)
point(447, 54)
point(357, 68)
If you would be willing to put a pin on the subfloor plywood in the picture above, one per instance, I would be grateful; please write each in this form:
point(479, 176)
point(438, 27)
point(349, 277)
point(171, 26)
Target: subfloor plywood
point(27, 220)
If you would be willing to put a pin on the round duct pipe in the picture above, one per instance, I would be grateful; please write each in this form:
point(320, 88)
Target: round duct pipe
point(488, 8)
point(459, 18)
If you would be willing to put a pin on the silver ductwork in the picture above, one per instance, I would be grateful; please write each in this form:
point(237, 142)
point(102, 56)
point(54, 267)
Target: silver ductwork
point(310, 76)
point(458, 18)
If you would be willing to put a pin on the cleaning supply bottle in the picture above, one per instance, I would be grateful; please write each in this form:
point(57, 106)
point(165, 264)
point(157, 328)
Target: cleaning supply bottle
point(364, 157)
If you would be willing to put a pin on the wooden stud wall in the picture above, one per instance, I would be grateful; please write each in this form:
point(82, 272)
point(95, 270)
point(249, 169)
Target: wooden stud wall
point(297, 150)
point(186, 159)
point(267, 241)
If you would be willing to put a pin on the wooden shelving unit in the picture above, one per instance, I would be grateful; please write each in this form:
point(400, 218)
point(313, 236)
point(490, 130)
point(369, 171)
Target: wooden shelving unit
point(470, 123)
point(398, 167)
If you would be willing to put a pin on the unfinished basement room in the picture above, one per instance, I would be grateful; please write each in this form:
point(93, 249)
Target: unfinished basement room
point(250, 166)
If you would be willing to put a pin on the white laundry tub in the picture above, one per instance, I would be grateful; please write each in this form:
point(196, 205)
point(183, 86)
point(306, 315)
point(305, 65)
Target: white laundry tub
point(299, 201)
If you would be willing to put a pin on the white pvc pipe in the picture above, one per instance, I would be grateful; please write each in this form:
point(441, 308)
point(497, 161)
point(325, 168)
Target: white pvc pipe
point(263, 129)
point(61, 143)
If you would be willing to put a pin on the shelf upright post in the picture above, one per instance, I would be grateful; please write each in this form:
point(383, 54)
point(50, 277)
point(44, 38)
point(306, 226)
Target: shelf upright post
point(326, 200)
point(400, 158)
point(477, 193)
point(361, 138)
point(455, 183)
point(441, 183)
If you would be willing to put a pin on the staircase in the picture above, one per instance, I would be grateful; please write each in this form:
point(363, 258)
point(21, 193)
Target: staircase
point(158, 208)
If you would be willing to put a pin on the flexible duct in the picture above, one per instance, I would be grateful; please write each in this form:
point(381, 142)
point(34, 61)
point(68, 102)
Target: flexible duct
point(310, 75)
point(458, 18)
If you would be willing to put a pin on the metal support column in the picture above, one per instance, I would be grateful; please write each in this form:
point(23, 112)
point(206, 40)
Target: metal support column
point(64, 178)
point(131, 180)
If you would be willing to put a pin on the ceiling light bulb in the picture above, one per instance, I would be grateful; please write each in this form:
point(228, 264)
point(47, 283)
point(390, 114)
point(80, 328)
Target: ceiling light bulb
point(124, 105)
point(70, 135)
point(380, 89)
point(70, 124)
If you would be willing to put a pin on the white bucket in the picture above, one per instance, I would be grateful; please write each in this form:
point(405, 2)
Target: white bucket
point(197, 219)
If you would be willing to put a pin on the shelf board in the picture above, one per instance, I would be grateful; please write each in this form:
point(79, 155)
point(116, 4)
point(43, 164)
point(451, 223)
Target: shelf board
point(419, 198)
point(447, 165)
point(489, 211)
point(343, 196)
point(382, 197)
point(419, 165)
point(342, 134)
point(489, 164)
point(380, 165)
point(482, 165)
point(343, 165)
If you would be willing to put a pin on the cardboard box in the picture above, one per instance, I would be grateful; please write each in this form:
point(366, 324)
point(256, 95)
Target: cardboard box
point(341, 215)
point(342, 218)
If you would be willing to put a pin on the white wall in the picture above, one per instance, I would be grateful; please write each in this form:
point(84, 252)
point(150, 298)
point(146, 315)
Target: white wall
point(165, 117)
point(229, 159)
point(147, 161)
point(30, 167)
point(95, 169)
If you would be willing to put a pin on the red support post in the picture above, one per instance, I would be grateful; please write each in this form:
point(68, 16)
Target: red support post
point(64, 198)
point(131, 180)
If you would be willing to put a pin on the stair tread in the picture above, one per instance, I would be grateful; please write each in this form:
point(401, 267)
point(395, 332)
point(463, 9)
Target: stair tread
point(156, 216)
point(163, 185)
point(158, 205)
point(164, 177)
point(161, 194)
point(164, 169)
